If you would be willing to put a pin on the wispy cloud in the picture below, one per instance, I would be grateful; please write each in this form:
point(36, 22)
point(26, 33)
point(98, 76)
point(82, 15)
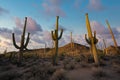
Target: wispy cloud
point(32, 25)
point(103, 33)
point(3, 11)
point(95, 5)
point(53, 8)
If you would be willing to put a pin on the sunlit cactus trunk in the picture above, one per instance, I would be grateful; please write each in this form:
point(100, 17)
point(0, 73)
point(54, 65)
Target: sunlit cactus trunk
point(55, 37)
point(23, 45)
point(113, 37)
point(92, 40)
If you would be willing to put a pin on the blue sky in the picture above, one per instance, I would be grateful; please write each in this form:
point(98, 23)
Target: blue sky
point(71, 12)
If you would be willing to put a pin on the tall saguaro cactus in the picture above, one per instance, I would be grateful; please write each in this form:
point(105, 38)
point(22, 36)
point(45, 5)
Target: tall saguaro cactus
point(56, 38)
point(115, 43)
point(92, 40)
point(23, 44)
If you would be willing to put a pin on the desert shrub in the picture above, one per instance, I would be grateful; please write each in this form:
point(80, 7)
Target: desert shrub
point(10, 55)
point(90, 59)
point(83, 64)
point(62, 55)
point(69, 66)
point(79, 58)
point(99, 74)
point(59, 75)
point(39, 73)
point(28, 55)
point(9, 75)
point(66, 61)
point(101, 55)
point(51, 70)
point(42, 72)
point(5, 68)
point(27, 76)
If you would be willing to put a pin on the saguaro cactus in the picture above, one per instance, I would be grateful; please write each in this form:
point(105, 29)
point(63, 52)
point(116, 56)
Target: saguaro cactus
point(104, 50)
point(72, 44)
point(92, 40)
point(45, 49)
point(23, 45)
point(115, 42)
point(55, 37)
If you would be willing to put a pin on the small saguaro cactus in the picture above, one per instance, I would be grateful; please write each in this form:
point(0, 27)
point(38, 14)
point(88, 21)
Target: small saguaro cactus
point(23, 45)
point(56, 38)
point(91, 40)
point(72, 43)
point(104, 50)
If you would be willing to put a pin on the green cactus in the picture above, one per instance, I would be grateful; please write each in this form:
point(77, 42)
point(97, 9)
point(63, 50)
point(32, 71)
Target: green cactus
point(23, 45)
point(92, 40)
point(56, 38)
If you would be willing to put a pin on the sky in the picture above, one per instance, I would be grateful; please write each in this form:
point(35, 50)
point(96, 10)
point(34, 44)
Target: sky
point(42, 18)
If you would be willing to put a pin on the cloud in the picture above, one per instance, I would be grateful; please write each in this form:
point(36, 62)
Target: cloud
point(53, 8)
point(78, 3)
point(99, 28)
point(4, 32)
point(32, 25)
point(103, 33)
point(95, 5)
point(5, 39)
point(3, 11)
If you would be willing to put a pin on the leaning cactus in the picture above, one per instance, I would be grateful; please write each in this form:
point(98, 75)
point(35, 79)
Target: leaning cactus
point(55, 37)
point(23, 45)
point(115, 42)
point(91, 40)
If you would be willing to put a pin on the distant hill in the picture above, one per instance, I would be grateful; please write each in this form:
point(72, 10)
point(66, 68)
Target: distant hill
point(76, 46)
point(111, 50)
point(66, 49)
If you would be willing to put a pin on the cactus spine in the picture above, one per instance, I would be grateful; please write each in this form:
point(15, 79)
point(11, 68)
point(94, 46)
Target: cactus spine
point(92, 40)
point(55, 37)
point(23, 45)
point(115, 43)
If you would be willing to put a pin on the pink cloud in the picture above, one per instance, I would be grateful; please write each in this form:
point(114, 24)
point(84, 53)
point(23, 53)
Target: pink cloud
point(32, 25)
point(53, 8)
point(78, 3)
point(98, 27)
point(95, 5)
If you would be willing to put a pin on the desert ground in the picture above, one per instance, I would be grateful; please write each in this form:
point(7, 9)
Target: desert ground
point(73, 64)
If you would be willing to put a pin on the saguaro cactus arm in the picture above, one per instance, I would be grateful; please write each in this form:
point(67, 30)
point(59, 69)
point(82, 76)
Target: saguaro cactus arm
point(53, 35)
point(87, 39)
point(14, 42)
point(27, 41)
point(95, 39)
point(60, 34)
